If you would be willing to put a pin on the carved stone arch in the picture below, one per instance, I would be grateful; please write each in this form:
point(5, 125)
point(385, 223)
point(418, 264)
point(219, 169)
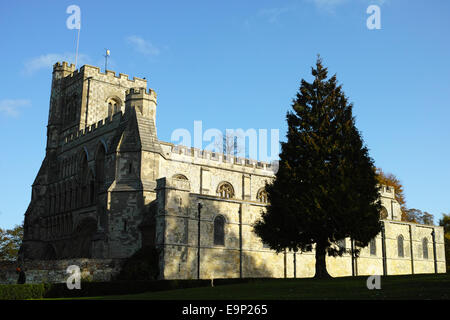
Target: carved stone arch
point(105, 145)
point(90, 182)
point(383, 213)
point(225, 190)
point(262, 196)
point(82, 165)
point(84, 173)
point(114, 105)
point(100, 158)
point(179, 176)
point(70, 112)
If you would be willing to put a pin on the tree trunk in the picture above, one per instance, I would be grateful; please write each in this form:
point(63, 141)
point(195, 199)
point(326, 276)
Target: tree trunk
point(321, 266)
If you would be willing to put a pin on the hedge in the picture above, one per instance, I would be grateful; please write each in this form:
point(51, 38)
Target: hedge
point(93, 289)
point(22, 291)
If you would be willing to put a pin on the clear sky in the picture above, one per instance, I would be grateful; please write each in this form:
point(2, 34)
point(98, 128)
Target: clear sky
point(238, 64)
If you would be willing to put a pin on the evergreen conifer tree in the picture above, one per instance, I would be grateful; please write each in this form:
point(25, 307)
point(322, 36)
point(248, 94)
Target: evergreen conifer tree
point(326, 187)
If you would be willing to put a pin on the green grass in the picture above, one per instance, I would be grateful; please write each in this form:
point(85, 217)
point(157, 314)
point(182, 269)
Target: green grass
point(392, 287)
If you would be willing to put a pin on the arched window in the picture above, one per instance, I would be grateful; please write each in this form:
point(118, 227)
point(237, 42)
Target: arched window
point(425, 248)
point(83, 178)
point(373, 247)
point(100, 165)
point(219, 231)
point(114, 106)
point(401, 253)
point(261, 196)
point(180, 177)
point(225, 190)
point(383, 213)
point(91, 182)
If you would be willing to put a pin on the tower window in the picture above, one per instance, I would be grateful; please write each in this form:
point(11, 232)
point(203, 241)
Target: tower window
point(114, 106)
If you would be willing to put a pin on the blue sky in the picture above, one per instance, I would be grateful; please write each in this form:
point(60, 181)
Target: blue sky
point(238, 64)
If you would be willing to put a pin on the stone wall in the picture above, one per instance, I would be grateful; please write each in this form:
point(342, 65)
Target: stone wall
point(243, 253)
point(54, 271)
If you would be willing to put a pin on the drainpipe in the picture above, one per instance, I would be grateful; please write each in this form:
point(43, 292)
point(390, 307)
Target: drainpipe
point(433, 234)
point(383, 248)
point(412, 251)
point(240, 240)
point(87, 101)
point(295, 264)
point(198, 240)
point(285, 271)
point(353, 257)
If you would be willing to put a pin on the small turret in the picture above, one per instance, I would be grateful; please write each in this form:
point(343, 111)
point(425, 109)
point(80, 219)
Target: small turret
point(144, 102)
point(61, 70)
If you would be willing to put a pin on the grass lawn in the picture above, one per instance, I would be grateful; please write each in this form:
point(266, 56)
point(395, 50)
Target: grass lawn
point(392, 287)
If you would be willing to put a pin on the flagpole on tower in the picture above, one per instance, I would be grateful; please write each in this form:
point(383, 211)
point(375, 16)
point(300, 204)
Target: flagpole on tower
point(106, 59)
point(74, 22)
point(76, 52)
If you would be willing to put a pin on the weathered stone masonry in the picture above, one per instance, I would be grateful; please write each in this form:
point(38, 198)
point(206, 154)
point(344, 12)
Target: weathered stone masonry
point(108, 186)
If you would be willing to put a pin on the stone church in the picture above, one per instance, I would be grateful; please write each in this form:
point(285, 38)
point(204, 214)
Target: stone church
point(109, 186)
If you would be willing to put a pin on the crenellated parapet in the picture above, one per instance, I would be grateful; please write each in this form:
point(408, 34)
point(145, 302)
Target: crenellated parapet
point(387, 191)
point(142, 100)
point(141, 93)
point(109, 75)
point(100, 127)
point(183, 153)
point(93, 71)
point(58, 66)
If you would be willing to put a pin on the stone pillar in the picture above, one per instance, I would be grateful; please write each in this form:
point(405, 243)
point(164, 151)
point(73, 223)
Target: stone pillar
point(205, 181)
point(246, 187)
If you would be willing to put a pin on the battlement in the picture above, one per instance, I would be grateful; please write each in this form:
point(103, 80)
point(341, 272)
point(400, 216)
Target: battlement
point(109, 74)
point(63, 65)
point(387, 191)
point(175, 151)
point(104, 123)
point(96, 73)
point(138, 93)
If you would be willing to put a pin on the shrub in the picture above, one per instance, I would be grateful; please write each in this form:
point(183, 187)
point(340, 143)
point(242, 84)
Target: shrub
point(94, 289)
point(22, 291)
